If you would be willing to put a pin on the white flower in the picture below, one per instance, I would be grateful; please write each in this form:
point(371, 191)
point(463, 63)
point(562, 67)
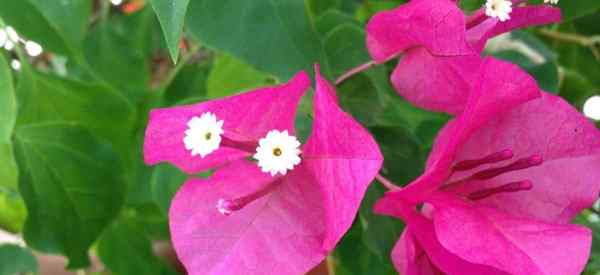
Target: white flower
point(553, 2)
point(498, 9)
point(277, 152)
point(15, 64)
point(3, 37)
point(9, 45)
point(203, 135)
point(33, 49)
point(12, 34)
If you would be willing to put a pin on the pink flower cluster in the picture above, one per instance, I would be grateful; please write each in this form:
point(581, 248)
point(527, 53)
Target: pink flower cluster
point(503, 181)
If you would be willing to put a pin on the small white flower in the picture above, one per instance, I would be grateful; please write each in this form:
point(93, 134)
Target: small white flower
point(33, 49)
point(12, 34)
point(3, 37)
point(15, 64)
point(553, 2)
point(203, 135)
point(498, 9)
point(9, 45)
point(277, 152)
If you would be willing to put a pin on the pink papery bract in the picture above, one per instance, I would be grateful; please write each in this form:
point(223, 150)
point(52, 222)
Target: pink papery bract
point(433, 75)
point(247, 118)
point(502, 182)
point(292, 221)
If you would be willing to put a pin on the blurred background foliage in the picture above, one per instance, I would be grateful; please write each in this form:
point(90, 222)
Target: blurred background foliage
point(77, 83)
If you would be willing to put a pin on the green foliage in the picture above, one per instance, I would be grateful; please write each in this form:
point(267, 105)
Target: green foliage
point(171, 14)
point(16, 260)
point(72, 186)
point(73, 181)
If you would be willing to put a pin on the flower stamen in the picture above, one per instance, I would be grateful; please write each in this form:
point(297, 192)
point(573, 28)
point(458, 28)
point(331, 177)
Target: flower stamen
point(228, 206)
point(509, 187)
point(492, 158)
point(520, 164)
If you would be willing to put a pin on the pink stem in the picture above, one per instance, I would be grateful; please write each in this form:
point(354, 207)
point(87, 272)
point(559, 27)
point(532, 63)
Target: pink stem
point(387, 183)
point(354, 71)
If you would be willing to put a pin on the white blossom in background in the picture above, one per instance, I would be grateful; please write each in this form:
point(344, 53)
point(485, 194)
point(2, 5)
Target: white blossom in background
point(500, 9)
point(15, 64)
point(9, 45)
point(553, 2)
point(3, 37)
point(33, 49)
point(116, 2)
point(591, 107)
point(278, 152)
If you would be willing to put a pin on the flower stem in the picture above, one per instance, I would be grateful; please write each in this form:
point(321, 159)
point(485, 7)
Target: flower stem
point(391, 186)
point(590, 42)
point(353, 71)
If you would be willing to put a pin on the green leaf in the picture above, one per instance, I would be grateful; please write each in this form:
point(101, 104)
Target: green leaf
point(59, 26)
point(118, 51)
point(276, 37)
point(317, 7)
point(166, 180)
point(171, 14)
point(12, 209)
point(345, 48)
point(230, 76)
point(125, 249)
point(16, 260)
point(72, 184)
point(402, 153)
point(8, 117)
point(190, 82)
point(43, 97)
point(574, 9)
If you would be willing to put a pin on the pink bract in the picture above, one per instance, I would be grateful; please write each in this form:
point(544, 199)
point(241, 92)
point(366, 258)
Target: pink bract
point(247, 118)
point(502, 182)
point(441, 52)
point(292, 221)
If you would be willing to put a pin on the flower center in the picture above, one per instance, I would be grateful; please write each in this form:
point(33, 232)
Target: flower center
point(278, 152)
point(228, 206)
point(485, 174)
point(203, 135)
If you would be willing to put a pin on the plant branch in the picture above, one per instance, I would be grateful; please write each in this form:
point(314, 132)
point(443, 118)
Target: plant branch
point(591, 42)
point(353, 71)
point(391, 186)
point(182, 62)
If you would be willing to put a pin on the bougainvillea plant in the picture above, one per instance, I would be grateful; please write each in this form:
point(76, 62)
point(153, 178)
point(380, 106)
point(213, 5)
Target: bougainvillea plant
point(164, 137)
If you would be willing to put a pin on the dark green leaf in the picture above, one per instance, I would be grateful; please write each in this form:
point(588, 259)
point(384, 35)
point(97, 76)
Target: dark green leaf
point(58, 25)
point(171, 14)
point(276, 37)
point(16, 260)
point(190, 82)
point(166, 180)
point(126, 250)
point(72, 184)
point(345, 48)
point(574, 9)
point(44, 97)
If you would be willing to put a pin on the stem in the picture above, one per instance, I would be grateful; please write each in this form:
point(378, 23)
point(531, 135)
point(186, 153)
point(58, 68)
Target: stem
point(590, 42)
point(182, 62)
point(387, 183)
point(354, 71)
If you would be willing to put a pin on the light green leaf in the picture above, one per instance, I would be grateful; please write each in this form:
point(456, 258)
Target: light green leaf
point(276, 37)
point(171, 14)
point(8, 116)
point(16, 260)
point(73, 187)
point(230, 76)
point(58, 25)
